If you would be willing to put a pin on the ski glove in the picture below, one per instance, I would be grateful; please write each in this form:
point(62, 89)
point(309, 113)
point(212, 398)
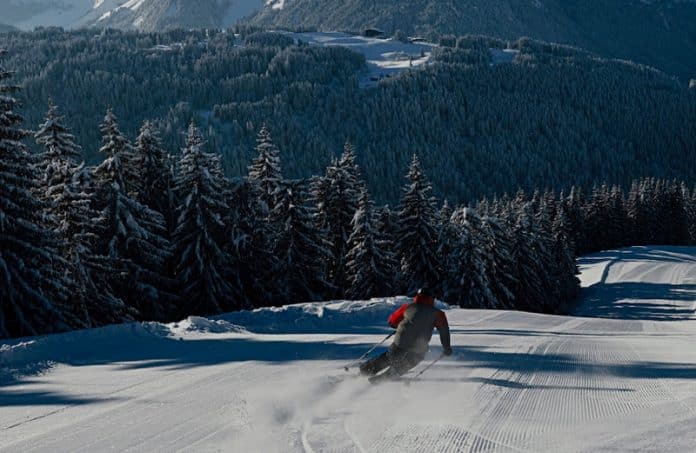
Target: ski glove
point(447, 351)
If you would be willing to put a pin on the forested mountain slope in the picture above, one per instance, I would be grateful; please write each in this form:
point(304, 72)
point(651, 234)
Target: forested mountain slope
point(5, 27)
point(147, 15)
point(547, 116)
point(158, 15)
point(658, 33)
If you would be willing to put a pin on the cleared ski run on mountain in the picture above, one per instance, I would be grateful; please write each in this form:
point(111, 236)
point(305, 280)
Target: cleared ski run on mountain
point(620, 376)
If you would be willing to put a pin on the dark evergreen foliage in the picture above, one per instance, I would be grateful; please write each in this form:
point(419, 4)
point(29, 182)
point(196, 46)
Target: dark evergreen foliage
point(132, 231)
point(553, 117)
point(417, 242)
point(33, 291)
point(155, 174)
point(100, 254)
point(336, 197)
point(371, 265)
point(200, 232)
point(299, 249)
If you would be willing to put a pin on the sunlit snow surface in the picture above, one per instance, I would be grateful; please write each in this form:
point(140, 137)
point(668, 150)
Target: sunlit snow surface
point(622, 378)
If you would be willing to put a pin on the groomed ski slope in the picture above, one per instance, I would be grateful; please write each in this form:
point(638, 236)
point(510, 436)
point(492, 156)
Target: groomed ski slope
point(620, 377)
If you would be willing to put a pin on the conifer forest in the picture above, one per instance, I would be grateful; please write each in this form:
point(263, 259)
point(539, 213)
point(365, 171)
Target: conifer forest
point(207, 176)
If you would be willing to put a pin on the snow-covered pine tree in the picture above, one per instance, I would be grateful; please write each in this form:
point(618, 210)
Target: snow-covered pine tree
point(60, 154)
point(132, 231)
point(448, 236)
point(690, 203)
point(265, 170)
point(155, 173)
point(266, 179)
point(563, 274)
point(57, 163)
point(616, 219)
point(501, 266)
point(32, 287)
point(202, 263)
point(119, 157)
point(370, 263)
point(68, 190)
point(299, 248)
point(574, 207)
point(676, 212)
point(90, 273)
point(336, 199)
point(387, 223)
point(417, 241)
point(473, 263)
point(348, 163)
point(636, 213)
point(246, 244)
point(527, 254)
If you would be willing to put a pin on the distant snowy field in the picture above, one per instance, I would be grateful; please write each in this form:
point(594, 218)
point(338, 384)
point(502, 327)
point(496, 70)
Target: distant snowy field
point(385, 57)
point(620, 378)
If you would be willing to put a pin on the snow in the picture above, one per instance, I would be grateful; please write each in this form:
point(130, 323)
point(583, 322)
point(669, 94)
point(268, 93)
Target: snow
point(385, 57)
point(500, 56)
point(621, 377)
point(275, 4)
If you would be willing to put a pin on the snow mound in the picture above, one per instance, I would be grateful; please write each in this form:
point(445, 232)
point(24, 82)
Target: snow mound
point(204, 325)
point(79, 343)
point(326, 317)
point(313, 317)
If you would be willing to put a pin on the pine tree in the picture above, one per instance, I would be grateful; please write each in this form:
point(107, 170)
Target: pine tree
point(690, 203)
point(119, 156)
point(155, 173)
point(59, 156)
point(574, 207)
point(68, 190)
point(370, 264)
point(247, 245)
point(387, 223)
point(265, 170)
point(563, 274)
point(91, 274)
point(474, 263)
point(447, 240)
point(57, 165)
point(417, 242)
point(501, 267)
point(676, 214)
point(266, 180)
point(132, 231)
point(526, 252)
point(636, 215)
point(299, 250)
point(202, 263)
point(335, 196)
point(32, 288)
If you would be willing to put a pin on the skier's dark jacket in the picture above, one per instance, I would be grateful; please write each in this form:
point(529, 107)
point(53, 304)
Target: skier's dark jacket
point(414, 325)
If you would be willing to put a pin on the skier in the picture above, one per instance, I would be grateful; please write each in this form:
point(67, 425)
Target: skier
point(414, 323)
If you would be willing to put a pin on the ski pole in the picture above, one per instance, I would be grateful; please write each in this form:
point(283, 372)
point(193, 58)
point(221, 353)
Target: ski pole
point(427, 367)
point(360, 359)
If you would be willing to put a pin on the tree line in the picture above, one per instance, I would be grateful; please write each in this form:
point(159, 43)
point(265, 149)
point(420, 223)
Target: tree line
point(151, 235)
